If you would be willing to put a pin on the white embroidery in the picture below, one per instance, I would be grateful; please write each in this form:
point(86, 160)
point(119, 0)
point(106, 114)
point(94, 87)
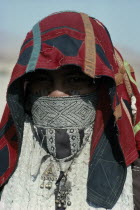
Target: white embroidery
point(133, 105)
point(50, 136)
point(74, 138)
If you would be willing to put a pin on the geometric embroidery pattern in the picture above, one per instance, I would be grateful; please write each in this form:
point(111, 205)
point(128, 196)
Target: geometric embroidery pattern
point(64, 112)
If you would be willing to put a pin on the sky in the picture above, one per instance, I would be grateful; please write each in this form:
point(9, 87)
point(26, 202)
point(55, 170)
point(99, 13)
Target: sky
point(121, 17)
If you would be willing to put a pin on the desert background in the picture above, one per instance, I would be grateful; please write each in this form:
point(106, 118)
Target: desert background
point(17, 17)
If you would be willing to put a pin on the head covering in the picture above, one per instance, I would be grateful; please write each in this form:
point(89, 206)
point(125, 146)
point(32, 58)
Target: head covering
point(71, 38)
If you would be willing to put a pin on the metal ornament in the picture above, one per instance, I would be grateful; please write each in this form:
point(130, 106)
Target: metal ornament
point(63, 186)
point(62, 193)
point(49, 175)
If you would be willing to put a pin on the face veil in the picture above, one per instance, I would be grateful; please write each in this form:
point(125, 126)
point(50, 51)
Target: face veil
point(63, 124)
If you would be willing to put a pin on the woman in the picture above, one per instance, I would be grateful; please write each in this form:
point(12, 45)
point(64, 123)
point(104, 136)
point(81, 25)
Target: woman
point(67, 135)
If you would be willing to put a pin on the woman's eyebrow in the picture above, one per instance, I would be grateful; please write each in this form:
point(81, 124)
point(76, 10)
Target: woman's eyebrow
point(40, 76)
point(74, 73)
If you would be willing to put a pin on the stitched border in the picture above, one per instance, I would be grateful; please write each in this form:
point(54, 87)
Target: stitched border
point(90, 49)
point(36, 48)
point(119, 79)
point(118, 112)
point(121, 70)
point(128, 70)
point(128, 85)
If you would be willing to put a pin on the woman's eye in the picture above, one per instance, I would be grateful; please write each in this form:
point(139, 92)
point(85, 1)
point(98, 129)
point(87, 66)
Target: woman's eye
point(75, 79)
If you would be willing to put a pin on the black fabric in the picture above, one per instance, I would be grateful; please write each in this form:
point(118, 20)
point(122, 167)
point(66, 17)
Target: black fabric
point(25, 56)
point(102, 55)
point(1, 190)
point(117, 99)
point(6, 127)
point(14, 138)
point(81, 132)
point(107, 171)
point(69, 46)
point(15, 99)
point(4, 155)
point(62, 144)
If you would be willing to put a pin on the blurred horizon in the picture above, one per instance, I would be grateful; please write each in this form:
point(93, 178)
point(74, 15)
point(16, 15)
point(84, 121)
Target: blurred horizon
point(18, 17)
